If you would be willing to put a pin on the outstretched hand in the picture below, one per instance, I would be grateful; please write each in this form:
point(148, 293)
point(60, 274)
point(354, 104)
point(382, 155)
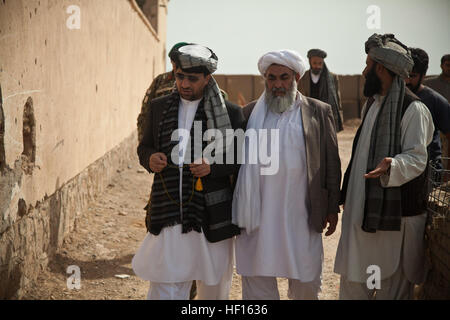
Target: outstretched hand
point(381, 169)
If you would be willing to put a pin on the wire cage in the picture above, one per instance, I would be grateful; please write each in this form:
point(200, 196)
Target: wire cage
point(439, 188)
point(437, 234)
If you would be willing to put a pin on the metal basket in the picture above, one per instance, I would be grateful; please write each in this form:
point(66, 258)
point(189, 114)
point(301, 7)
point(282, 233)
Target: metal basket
point(439, 188)
point(437, 233)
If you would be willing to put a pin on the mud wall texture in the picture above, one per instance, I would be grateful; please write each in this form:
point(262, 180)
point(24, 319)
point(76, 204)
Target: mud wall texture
point(242, 89)
point(72, 78)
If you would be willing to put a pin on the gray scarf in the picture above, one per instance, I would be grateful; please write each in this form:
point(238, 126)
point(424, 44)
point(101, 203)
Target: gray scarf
point(383, 209)
point(327, 93)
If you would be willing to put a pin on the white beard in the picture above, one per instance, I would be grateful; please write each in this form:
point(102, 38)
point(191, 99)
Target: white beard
point(283, 103)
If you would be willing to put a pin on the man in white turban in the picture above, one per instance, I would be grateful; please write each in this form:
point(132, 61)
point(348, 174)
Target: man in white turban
point(283, 213)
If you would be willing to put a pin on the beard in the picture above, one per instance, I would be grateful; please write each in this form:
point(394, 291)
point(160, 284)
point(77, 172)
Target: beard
point(446, 73)
point(372, 85)
point(316, 71)
point(415, 89)
point(280, 104)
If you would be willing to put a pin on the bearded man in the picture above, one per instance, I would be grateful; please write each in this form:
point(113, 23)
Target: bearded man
point(320, 83)
point(437, 104)
point(284, 213)
point(381, 249)
point(189, 216)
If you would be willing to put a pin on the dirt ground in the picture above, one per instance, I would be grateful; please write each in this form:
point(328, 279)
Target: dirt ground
point(107, 236)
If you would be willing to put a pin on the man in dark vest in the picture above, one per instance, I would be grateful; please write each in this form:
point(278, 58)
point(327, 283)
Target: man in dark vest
point(189, 215)
point(436, 103)
point(319, 83)
point(381, 250)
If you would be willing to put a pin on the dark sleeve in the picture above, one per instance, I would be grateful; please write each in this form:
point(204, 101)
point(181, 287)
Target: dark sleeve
point(338, 91)
point(143, 115)
point(333, 162)
point(146, 147)
point(237, 122)
point(442, 119)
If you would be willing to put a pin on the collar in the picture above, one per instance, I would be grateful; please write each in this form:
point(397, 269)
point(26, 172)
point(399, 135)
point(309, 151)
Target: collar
point(379, 98)
point(190, 104)
point(315, 77)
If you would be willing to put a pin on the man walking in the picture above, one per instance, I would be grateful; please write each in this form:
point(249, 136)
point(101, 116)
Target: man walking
point(319, 83)
point(189, 215)
point(284, 212)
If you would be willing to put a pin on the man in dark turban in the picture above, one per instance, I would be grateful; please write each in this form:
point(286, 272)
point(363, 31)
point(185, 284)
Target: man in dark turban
point(321, 84)
point(381, 250)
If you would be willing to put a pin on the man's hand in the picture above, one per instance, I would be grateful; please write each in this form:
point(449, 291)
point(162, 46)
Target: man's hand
point(332, 220)
point(380, 170)
point(158, 161)
point(200, 170)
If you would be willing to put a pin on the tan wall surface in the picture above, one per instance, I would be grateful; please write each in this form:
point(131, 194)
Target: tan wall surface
point(86, 85)
point(243, 89)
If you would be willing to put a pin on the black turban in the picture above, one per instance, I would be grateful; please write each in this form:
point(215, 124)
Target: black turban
point(317, 53)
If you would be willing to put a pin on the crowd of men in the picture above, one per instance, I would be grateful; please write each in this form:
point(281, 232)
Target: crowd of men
point(205, 217)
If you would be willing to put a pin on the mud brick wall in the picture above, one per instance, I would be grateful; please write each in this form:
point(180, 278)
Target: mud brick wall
point(69, 100)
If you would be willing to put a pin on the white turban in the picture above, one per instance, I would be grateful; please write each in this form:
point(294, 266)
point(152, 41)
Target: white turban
point(288, 58)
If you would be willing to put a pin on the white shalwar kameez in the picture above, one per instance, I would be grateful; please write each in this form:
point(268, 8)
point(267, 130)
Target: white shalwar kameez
point(396, 253)
point(284, 245)
point(172, 260)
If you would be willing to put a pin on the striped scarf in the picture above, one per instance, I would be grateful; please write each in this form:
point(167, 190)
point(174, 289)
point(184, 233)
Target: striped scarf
point(383, 206)
point(217, 118)
point(164, 211)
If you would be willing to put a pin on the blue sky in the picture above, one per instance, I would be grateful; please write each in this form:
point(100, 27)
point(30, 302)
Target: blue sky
point(240, 31)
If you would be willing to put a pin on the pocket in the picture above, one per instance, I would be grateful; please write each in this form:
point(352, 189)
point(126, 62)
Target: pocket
point(219, 196)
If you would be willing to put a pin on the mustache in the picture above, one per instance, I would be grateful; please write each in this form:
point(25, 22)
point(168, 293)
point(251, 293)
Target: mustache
point(278, 90)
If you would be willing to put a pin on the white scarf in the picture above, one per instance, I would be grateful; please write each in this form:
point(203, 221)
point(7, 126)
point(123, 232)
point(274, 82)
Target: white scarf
point(246, 211)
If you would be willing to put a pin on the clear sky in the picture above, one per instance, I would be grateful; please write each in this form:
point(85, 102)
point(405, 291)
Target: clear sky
point(240, 31)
